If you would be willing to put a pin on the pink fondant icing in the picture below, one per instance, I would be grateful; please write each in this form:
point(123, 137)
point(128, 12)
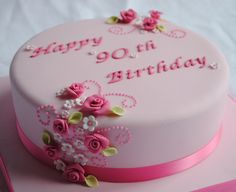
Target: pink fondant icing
point(174, 102)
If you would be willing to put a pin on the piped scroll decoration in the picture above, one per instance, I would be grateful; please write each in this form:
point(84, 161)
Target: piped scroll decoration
point(127, 101)
point(175, 33)
point(119, 30)
point(91, 85)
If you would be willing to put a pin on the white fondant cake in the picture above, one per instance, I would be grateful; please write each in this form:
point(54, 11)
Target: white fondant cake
point(121, 93)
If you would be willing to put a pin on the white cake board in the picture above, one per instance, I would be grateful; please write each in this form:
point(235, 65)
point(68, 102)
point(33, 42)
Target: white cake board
point(28, 174)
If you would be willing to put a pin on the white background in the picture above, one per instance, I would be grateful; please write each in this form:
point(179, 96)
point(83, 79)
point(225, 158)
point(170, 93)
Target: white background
point(21, 19)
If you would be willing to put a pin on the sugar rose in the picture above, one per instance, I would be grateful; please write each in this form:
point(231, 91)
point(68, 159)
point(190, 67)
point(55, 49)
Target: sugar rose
point(96, 142)
point(75, 90)
point(74, 173)
point(149, 23)
point(128, 16)
point(97, 105)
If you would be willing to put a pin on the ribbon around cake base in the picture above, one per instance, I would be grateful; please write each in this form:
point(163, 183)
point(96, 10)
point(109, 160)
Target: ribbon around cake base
point(132, 174)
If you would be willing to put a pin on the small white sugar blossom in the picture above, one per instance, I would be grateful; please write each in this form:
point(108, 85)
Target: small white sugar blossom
point(73, 103)
point(213, 65)
point(79, 144)
point(68, 104)
point(65, 114)
point(79, 131)
point(29, 47)
point(79, 101)
point(57, 137)
point(60, 92)
point(90, 123)
point(80, 158)
point(92, 52)
point(67, 148)
point(60, 165)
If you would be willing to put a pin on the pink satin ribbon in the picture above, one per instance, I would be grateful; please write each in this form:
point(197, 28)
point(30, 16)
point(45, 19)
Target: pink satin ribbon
point(132, 174)
point(3, 169)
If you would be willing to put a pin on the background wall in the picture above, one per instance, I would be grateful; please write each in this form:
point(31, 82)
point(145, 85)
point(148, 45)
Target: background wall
point(21, 19)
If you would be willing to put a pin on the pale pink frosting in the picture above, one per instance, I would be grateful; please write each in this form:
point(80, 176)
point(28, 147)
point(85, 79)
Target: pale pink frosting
point(97, 105)
point(60, 126)
point(128, 16)
point(149, 23)
point(75, 90)
point(96, 142)
point(74, 173)
point(199, 110)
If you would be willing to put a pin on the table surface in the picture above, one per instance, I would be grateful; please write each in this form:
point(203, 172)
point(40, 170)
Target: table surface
point(28, 174)
point(20, 20)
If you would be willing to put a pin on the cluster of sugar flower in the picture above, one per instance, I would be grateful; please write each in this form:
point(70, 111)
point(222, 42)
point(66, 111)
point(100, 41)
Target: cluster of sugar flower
point(147, 23)
point(74, 134)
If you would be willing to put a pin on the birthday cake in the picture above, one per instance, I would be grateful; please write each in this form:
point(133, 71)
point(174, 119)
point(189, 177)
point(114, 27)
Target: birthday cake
point(122, 99)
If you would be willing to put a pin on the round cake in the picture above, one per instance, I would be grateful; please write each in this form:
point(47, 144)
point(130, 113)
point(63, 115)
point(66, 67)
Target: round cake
point(122, 99)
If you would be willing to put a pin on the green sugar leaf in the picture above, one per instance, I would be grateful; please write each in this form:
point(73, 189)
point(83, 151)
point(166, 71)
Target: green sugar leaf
point(110, 151)
point(75, 118)
point(91, 181)
point(112, 20)
point(116, 110)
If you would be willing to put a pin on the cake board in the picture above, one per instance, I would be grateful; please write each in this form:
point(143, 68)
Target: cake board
point(25, 173)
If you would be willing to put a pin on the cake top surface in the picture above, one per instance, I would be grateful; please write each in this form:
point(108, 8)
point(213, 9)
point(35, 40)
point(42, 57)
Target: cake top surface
point(157, 75)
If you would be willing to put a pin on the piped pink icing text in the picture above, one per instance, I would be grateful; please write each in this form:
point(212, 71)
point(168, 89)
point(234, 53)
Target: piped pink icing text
point(55, 47)
point(122, 53)
point(160, 67)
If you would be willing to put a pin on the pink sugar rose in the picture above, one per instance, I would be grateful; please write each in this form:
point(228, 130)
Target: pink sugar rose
point(128, 16)
point(52, 152)
point(97, 105)
point(60, 126)
point(149, 23)
point(75, 90)
point(74, 173)
point(96, 142)
point(155, 14)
